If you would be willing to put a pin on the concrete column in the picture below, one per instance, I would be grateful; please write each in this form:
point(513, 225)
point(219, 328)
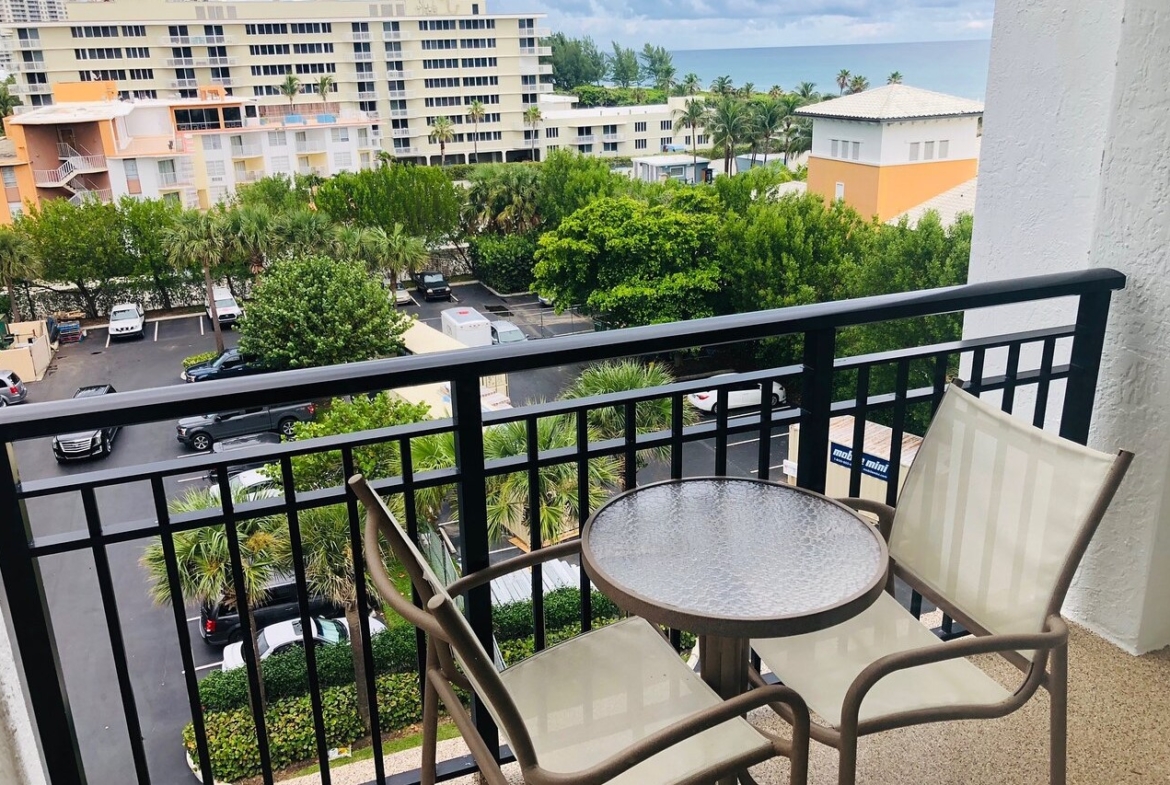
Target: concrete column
point(1074, 174)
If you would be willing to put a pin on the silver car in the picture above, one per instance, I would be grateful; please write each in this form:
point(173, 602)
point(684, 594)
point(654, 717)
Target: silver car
point(12, 389)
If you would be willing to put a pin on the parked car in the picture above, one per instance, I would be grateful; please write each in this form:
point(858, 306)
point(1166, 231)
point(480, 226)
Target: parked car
point(219, 623)
point(402, 294)
point(241, 443)
point(226, 307)
point(739, 395)
point(545, 301)
point(432, 285)
point(506, 332)
point(253, 484)
point(286, 635)
point(86, 444)
point(126, 321)
point(12, 389)
point(228, 365)
point(206, 429)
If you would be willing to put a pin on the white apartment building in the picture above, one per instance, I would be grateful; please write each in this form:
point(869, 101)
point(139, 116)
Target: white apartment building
point(615, 131)
point(403, 63)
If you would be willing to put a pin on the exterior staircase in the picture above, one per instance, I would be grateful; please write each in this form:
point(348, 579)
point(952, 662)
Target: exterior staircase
point(73, 163)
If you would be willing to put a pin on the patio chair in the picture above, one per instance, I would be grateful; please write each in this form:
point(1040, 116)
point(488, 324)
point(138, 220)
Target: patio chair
point(990, 526)
point(614, 705)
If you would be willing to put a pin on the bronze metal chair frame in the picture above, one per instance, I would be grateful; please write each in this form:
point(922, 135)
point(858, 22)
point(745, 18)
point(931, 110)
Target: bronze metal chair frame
point(447, 636)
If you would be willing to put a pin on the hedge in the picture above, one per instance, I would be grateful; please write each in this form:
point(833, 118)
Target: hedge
point(504, 262)
point(202, 357)
point(562, 608)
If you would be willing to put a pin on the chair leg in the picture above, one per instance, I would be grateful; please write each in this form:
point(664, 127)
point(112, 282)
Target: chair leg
point(847, 772)
point(428, 772)
point(1058, 714)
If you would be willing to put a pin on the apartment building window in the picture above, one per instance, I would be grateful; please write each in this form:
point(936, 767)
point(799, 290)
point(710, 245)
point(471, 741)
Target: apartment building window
point(281, 163)
point(479, 62)
point(179, 52)
point(40, 100)
point(686, 140)
point(185, 73)
point(436, 24)
point(704, 139)
point(177, 31)
point(98, 54)
point(609, 147)
point(438, 84)
point(339, 134)
point(834, 148)
point(552, 133)
point(9, 175)
point(665, 125)
point(41, 78)
point(584, 148)
point(196, 119)
point(477, 43)
point(666, 141)
point(367, 106)
point(396, 85)
point(95, 31)
point(362, 47)
point(529, 98)
point(639, 144)
point(134, 31)
point(928, 151)
point(393, 46)
point(913, 151)
point(271, 70)
point(528, 79)
point(268, 49)
point(343, 160)
point(317, 68)
point(439, 43)
point(481, 81)
point(483, 99)
point(640, 127)
point(138, 52)
point(857, 150)
point(944, 148)
point(477, 24)
point(365, 70)
point(129, 94)
point(552, 147)
point(442, 100)
point(221, 73)
point(584, 130)
point(360, 27)
point(103, 75)
point(475, 9)
point(442, 63)
point(609, 129)
point(265, 89)
point(130, 169)
point(266, 29)
point(456, 119)
point(216, 170)
point(391, 27)
point(310, 28)
point(312, 49)
point(491, 117)
point(211, 31)
point(530, 135)
point(277, 139)
point(212, 142)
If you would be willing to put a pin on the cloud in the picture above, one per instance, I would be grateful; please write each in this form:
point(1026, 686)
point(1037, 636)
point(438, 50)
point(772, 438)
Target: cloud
point(713, 24)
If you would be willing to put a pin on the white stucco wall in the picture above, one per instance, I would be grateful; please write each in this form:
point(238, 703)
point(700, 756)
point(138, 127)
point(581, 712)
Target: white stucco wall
point(1072, 175)
point(868, 134)
point(960, 132)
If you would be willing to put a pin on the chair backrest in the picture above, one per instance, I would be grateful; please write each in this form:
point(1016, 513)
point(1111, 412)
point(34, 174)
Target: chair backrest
point(995, 514)
point(441, 620)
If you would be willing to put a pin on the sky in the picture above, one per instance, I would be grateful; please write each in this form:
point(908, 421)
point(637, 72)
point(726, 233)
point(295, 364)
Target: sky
point(734, 24)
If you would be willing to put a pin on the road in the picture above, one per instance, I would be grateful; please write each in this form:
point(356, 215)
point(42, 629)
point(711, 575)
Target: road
point(151, 641)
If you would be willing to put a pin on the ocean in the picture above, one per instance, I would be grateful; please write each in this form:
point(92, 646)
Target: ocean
point(954, 67)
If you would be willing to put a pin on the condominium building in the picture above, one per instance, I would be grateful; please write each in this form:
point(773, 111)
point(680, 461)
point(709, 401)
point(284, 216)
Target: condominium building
point(625, 131)
point(90, 144)
point(403, 63)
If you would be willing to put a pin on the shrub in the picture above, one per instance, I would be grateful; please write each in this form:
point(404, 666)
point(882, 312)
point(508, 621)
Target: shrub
point(202, 357)
point(562, 609)
point(504, 262)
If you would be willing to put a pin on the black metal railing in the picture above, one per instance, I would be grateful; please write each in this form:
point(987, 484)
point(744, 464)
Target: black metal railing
point(828, 386)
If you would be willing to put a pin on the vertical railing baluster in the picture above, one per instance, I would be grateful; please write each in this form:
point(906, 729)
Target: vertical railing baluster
point(859, 422)
point(535, 535)
point(179, 609)
point(975, 384)
point(722, 398)
point(1010, 374)
point(357, 550)
point(410, 507)
point(101, 563)
point(1047, 357)
point(901, 383)
point(297, 551)
point(677, 421)
point(816, 402)
point(938, 382)
point(764, 447)
point(584, 512)
point(1084, 365)
point(630, 451)
point(28, 611)
point(474, 542)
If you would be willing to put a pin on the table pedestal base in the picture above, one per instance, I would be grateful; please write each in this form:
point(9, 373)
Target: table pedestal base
point(723, 664)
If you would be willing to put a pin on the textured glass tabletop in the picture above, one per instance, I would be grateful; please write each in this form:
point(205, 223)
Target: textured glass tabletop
point(753, 557)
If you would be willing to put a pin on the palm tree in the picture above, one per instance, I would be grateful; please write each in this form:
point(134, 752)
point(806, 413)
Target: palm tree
point(614, 376)
point(722, 85)
point(533, 118)
point(324, 86)
point(328, 563)
point(665, 78)
point(560, 512)
point(768, 119)
point(290, 88)
point(691, 116)
point(690, 84)
point(808, 93)
point(249, 233)
point(729, 124)
point(402, 253)
point(197, 237)
point(385, 157)
point(363, 244)
point(843, 80)
point(8, 101)
point(443, 132)
point(302, 231)
point(204, 562)
point(748, 90)
point(18, 262)
point(775, 91)
point(894, 78)
point(858, 84)
point(475, 113)
point(796, 137)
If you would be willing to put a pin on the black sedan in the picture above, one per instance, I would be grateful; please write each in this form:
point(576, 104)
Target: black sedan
point(228, 365)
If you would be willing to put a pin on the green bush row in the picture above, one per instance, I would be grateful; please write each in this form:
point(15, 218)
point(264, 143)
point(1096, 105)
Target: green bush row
point(199, 358)
point(504, 262)
point(231, 735)
point(562, 609)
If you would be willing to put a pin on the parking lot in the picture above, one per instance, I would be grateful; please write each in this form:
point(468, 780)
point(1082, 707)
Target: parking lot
point(151, 642)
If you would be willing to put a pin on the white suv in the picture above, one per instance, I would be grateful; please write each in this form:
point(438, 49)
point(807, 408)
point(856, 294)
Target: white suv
point(126, 320)
point(225, 306)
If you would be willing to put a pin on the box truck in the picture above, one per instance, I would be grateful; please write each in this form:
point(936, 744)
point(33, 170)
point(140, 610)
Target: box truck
point(468, 326)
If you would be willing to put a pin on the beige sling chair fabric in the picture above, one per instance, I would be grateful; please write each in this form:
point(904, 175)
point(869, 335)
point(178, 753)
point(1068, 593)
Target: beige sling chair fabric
point(614, 705)
point(992, 521)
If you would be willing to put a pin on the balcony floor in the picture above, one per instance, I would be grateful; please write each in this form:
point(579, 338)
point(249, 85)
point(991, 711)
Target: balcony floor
point(1119, 722)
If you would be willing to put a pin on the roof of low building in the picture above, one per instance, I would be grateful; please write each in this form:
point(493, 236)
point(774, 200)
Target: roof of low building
point(671, 160)
point(949, 205)
point(893, 102)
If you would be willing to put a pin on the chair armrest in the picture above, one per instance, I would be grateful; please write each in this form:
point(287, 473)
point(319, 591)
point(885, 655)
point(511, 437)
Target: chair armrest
point(696, 723)
point(1055, 635)
point(468, 582)
point(884, 512)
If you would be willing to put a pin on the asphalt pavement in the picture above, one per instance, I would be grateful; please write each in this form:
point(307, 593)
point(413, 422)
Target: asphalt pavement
point(151, 640)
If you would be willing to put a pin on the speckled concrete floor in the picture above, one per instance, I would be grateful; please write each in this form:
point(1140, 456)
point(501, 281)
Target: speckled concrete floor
point(1119, 734)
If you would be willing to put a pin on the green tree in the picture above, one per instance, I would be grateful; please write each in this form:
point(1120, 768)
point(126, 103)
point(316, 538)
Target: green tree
point(504, 261)
point(403, 253)
point(8, 100)
point(276, 192)
point(808, 93)
point(324, 87)
point(658, 67)
point(729, 124)
point(197, 238)
point(204, 563)
point(249, 230)
point(722, 85)
point(315, 311)
point(623, 66)
point(422, 199)
point(298, 233)
point(569, 181)
point(503, 199)
point(145, 222)
point(858, 84)
point(533, 118)
point(18, 262)
point(894, 78)
point(843, 77)
point(79, 244)
point(690, 84)
point(443, 132)
point(575, 61)
point(475, 113)
point(766, 122)
point(290, 88)
point(691, 117)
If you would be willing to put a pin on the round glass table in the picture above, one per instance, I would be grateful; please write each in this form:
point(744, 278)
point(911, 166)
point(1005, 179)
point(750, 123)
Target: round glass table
point(731, 560)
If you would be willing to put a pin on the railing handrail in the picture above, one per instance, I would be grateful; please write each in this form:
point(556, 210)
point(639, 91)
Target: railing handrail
point(53, 417)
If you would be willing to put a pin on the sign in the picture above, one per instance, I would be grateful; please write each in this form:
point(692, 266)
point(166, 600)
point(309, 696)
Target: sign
point(872, 465)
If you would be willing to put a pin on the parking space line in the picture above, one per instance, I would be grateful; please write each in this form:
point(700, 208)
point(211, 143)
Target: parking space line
point(156, 331)
point(777, 466)
point(209, 665)
point(753, 441)
point(193, 618)
point(107, 339)
point(201, 325)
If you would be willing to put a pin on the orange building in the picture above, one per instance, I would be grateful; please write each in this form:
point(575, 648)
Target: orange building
point(888, 150)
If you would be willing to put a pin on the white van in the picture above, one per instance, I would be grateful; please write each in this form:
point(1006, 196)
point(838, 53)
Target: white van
point(468, 326)
point(225, 306)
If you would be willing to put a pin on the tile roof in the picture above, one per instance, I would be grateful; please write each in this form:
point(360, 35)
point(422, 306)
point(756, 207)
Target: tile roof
point(893, 102)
